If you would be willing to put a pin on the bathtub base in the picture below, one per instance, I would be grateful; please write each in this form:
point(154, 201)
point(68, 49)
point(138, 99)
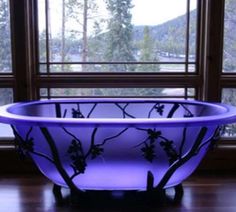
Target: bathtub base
point(115, 199)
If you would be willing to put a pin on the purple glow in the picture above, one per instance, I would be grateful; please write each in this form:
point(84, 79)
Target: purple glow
point(111, 144)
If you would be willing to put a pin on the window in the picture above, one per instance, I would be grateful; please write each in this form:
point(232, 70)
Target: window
point(5, 51)
point(229, 63)
point(104, 48)
point(6, 84)
point(110, 36)
point(100, 48)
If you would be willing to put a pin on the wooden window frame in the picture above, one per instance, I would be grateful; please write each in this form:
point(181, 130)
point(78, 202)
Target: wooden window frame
point(107, 80)
point(25, 56)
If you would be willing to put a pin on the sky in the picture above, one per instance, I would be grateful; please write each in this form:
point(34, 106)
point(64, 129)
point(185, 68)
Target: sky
point(153, 12)
point(144, 12)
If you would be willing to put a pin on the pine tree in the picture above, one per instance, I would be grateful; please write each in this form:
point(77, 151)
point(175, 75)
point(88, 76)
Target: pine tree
point(96, 46)
point(119, 40)
point(147, 52)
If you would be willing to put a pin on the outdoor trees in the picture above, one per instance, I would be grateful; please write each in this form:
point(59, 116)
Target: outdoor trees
point(119, 34)
point(148, 52)
point(75, 23)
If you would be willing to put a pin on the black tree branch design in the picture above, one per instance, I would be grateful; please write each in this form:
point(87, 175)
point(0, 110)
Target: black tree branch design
point(26, 146)
point(123, 109)
point(76, 150)
point(57, 160)
point(193, 151)
point(76, 113)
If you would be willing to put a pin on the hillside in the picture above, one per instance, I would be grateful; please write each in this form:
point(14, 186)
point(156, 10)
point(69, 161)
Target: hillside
point(171, 35)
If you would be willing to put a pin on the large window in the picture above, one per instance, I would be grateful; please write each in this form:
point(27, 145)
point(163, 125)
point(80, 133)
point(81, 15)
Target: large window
point(117, 36)
point(6, 73)
point(5, 41)
point(229, 61)
point(118, 48)
point(95, 48)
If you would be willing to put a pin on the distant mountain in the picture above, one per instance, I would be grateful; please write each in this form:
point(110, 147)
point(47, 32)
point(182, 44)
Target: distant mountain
point(171, 35)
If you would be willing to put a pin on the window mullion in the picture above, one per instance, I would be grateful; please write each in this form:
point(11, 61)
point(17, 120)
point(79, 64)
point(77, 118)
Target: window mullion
point(214, 45)
point(20, 51)
point(187, 36)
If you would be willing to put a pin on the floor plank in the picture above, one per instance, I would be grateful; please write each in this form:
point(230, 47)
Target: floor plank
point(201, 193)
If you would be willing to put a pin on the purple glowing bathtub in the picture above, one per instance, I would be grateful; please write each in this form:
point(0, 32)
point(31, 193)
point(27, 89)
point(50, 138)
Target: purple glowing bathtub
point(116, 144)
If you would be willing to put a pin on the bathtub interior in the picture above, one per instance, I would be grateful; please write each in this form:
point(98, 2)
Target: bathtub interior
point(116, 109)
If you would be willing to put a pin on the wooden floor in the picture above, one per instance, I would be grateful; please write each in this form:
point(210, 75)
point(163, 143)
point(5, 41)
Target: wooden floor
point(201, 193)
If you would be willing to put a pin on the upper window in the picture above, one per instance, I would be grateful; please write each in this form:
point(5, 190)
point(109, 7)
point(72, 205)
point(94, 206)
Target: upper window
point(229, 63)
point(5, 53)
point(229, 53)
point(6, 92)
point(117, 36)
point(5, 41)
point(6, 85)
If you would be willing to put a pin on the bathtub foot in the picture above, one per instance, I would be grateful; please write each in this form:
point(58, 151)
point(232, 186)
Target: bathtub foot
point(150, 181)
point(108, 199)
point(161, 196)
point(153, 194)
point(57, 194)
point(179, 192)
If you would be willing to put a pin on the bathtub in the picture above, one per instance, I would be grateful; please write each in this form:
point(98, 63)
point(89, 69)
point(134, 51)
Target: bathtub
point(116, 144)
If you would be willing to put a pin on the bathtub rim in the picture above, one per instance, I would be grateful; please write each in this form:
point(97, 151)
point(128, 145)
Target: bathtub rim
point(229, 116)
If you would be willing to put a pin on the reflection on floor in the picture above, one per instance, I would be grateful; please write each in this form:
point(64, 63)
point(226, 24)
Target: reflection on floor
point(201, 193)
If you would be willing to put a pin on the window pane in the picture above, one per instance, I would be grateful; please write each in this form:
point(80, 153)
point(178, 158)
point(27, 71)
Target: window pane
point(42, 29)
point(192, 31)
point(229, 62)
point(5, 35)
point(117, 92)
point(100, 67)
point(117, 31)
point(229, 97)
point(6, 97)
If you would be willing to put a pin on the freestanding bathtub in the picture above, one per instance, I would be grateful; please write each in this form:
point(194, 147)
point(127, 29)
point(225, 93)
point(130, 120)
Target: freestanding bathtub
point(116, 144)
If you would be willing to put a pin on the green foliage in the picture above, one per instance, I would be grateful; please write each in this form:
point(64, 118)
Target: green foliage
point(146, 46)
point(96, 47)
point(119, 35)
point(147, 52)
